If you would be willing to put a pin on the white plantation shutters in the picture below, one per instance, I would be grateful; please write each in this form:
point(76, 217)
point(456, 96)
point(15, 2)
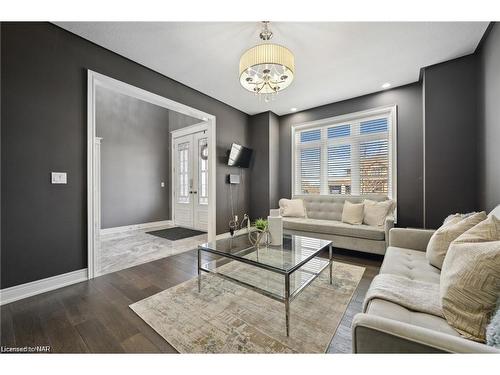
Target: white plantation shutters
point(347, 155)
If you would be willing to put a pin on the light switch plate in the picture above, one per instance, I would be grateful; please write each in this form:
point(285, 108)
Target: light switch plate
point(59, 177)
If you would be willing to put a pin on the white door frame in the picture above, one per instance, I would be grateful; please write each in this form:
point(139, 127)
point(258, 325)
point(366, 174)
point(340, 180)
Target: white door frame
point(95, 80)
point(196, 128)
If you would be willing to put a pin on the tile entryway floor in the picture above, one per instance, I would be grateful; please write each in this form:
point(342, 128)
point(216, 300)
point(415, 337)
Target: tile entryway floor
point(118, 251)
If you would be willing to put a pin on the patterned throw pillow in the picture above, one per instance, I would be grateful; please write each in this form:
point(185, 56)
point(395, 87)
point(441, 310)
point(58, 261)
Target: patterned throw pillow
point(470, 279)
point(441, 239)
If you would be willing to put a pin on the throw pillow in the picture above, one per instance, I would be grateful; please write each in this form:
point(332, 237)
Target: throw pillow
point(470, 279)
point(495, 212)
point(376, 212)
point(493, 329)
point(352, 213)
point(462, 216)
point(292, 208)
point(441, 239)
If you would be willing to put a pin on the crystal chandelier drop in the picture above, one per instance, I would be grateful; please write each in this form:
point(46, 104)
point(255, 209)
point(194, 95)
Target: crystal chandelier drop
point(267, 68)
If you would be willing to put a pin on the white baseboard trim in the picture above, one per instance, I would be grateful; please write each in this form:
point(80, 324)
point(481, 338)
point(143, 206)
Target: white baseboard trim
point(18, 292)
point(127, 228)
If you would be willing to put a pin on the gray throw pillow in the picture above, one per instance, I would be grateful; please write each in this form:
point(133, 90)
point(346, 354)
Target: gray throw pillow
point(493, 329)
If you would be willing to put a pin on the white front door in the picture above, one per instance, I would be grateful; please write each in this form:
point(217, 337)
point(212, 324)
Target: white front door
point(191, 181)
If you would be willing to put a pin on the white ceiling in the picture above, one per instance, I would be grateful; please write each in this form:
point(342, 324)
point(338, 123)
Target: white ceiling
point(334, 61)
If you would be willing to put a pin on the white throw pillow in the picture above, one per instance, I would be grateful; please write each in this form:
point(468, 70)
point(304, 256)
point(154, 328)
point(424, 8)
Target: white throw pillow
point(442, 238)
point(376, 212)
point(353, 213)
point(292, 208)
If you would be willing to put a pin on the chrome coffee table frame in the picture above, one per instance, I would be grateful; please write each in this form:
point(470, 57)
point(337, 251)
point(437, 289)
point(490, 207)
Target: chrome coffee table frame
point(288, 297)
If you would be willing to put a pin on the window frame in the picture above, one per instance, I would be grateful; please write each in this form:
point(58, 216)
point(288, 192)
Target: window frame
point(387, 111)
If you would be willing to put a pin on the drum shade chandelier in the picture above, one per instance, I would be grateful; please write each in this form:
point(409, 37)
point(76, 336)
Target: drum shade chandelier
point(267, 68)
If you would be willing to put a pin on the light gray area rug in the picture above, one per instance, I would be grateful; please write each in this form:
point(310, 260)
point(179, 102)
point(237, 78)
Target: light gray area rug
point(228, 318)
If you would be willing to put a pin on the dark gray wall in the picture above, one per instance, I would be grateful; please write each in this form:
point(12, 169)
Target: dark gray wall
point(259, 169)
point(451, 126)
point(274, 160)
point(134, 159)
point(264, 135)
point(44, 128)
point(178, 120)
point(489, 144)
point(2, 156)
point(409, 101)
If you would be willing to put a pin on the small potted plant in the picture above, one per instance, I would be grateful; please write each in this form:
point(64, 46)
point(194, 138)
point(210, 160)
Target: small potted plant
point(262, 232)
point(260, 224)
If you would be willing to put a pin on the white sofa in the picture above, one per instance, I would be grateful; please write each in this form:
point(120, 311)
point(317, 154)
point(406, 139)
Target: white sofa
point(387, 327)
point(324, 220)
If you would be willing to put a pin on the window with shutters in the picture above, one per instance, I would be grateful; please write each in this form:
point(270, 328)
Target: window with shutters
point(352, 154)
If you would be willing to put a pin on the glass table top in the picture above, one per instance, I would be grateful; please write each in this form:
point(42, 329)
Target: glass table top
point(295, 251)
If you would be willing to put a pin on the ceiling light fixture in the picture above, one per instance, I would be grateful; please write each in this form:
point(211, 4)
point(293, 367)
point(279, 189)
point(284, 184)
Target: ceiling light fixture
point(267, 68)
point(386, 85)
point(293, 109)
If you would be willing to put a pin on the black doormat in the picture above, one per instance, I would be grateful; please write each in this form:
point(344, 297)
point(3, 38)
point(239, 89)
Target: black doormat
point(176, 233)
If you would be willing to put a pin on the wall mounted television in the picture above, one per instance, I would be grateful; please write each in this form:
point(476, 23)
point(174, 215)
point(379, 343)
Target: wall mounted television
point(239, 156)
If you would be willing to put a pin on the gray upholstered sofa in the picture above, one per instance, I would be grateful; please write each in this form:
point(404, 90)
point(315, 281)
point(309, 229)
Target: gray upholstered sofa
point(388, 327)
point(324, 215)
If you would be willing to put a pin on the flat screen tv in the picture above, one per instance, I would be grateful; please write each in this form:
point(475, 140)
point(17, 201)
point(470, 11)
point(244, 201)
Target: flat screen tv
point(239, 156)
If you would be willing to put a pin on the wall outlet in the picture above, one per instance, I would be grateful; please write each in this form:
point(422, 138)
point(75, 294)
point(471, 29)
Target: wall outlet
point(162, 184)
point(58, 178)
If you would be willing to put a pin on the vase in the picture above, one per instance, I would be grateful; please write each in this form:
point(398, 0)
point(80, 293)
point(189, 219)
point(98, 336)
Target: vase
point(262, 237)
point(275, 227)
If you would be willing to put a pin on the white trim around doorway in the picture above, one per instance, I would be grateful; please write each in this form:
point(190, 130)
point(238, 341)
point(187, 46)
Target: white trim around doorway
point(95, 80)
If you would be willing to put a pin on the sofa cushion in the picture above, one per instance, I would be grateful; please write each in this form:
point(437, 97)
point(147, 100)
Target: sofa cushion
point(329, 207)
point(391, 310)
point(334, 227)
point(409, 263)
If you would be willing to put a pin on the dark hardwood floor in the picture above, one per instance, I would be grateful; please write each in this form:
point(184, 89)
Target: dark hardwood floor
point(94, 316)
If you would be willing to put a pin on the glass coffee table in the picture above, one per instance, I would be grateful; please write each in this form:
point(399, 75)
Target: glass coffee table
point(298, 254)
